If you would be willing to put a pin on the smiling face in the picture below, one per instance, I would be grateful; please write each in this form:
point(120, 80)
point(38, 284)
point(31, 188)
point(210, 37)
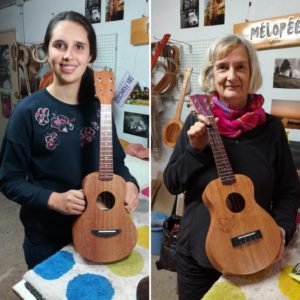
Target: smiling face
point(68, 52)
point(232, 77)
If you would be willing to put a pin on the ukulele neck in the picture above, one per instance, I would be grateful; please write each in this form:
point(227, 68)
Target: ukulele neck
point(180, 100)
point(222, 162)
point(106, 144)
point(187, 75)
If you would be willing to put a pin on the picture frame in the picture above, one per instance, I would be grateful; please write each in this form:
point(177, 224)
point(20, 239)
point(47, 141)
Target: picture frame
point(286, 73)
point(189, 13)
point(93, 10)
point(288, 111)
point(136, 124)
point(114, 10)
point(134, 133)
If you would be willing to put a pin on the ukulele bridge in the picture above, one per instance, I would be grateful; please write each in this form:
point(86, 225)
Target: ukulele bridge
point(106, 233)
point(246, 238)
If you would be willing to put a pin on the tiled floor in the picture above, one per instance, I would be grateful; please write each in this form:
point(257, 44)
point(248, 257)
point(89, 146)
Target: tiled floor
point(12, 264)
point(163, 282)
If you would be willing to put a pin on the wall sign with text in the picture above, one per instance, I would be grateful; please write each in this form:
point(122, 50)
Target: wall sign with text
point(271, 33)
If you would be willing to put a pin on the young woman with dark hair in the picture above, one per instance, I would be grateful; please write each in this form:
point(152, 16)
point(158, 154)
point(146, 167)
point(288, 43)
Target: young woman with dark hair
point(52, 142)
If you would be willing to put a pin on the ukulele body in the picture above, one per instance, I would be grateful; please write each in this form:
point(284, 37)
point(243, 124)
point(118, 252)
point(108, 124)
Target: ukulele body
point(104, 235)
point(171, 132)
point(172, 129)
point(242, 238)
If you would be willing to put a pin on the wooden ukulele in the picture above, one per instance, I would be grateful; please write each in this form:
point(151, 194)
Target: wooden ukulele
point(155, 101)
point(242, 238)
point(173, 128)
point(104, 232)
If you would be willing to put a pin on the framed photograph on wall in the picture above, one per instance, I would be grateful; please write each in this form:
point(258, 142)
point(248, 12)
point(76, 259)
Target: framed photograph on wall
point(136, 124)
point(93, 10)
point(131, 132)
point(189, 13)
point(214, 12)
point(114, 10)
point(288, 111)
point(287, 73)
point(139, 95)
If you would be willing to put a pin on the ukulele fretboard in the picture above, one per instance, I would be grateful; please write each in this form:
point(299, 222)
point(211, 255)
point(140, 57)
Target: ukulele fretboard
point(222, 162)
point(106, 147)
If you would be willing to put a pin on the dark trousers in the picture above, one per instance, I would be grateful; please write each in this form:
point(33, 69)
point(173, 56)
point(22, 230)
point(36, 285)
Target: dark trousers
point(193, 280)
point(36, 253)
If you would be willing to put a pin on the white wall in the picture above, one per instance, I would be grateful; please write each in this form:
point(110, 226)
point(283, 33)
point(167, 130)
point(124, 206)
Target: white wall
point(31, 22)
point(166, 19)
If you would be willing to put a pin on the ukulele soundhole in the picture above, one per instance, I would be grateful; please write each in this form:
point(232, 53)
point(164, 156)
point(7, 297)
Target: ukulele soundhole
point(105, 201)
point(235, 202)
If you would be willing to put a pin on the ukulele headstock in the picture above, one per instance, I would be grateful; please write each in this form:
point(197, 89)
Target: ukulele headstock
point(201, 104)
point(104, 86)
point(187, 74)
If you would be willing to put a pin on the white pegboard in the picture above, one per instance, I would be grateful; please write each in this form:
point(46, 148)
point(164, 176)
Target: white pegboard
point(106, 52)
point(193, 54)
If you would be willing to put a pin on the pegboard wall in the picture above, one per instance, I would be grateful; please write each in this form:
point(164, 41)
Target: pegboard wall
point(106, 52)
point(193, 54)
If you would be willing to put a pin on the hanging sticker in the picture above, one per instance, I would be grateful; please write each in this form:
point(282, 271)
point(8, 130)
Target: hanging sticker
point(124, 88)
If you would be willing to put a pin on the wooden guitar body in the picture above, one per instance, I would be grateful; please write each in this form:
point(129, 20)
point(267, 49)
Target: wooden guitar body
point(242, 238)
point(104, 235)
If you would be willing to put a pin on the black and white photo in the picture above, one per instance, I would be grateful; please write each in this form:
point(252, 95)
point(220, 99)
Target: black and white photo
point(287, 73)
point(136, 124)
point(93, 10)
point(189, 13)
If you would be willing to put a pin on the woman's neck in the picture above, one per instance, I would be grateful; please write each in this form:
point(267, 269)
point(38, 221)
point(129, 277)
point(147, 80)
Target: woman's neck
point(65, 93)
point(237, 104)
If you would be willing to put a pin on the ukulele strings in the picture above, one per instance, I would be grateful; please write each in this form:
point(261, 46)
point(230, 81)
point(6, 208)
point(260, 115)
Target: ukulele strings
point(223, 167)
point(234, 202)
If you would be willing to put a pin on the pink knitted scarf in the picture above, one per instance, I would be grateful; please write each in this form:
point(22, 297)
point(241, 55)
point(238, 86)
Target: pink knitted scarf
point(233, 122)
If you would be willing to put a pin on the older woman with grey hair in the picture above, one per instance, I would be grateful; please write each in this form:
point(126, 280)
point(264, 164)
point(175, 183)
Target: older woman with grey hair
point(256, 145)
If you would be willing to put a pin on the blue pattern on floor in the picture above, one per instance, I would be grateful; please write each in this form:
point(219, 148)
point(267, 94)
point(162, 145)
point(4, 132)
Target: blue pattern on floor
point(55, 266)
point(89, 286)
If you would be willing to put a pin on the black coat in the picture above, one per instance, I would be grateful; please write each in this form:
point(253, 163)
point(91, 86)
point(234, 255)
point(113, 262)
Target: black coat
point(262, 154)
